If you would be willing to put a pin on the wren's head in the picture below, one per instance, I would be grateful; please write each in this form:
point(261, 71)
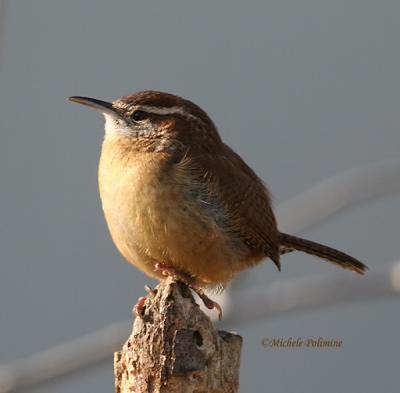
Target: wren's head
point(156, 121)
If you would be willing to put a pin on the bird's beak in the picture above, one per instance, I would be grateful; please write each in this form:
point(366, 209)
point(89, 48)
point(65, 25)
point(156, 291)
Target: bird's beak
point(101, 106)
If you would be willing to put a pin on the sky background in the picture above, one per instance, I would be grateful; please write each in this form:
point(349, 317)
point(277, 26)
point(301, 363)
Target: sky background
point(302, 89)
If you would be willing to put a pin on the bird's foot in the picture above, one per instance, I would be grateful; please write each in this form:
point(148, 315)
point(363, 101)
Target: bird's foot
point(152, 292)
point(170, 271)
point(138, 309)
point(209, 303)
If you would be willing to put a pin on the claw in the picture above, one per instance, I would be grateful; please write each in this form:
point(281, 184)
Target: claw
point(209, 303)
point(139, 308)
point(166, 270)
point(152, 292)
point(170, 271)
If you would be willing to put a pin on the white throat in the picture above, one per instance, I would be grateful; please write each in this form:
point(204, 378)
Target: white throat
point(114, 127)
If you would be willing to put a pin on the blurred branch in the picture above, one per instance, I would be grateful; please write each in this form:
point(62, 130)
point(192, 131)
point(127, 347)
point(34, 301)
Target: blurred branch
point(337, 193)
point(312, 292)
point(63, 359)
point(278, 299)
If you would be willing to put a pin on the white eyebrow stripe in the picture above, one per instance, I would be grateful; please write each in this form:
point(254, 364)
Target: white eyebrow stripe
point(164, 110)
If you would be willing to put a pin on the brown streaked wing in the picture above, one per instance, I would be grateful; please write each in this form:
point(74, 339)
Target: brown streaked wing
point(246, 201)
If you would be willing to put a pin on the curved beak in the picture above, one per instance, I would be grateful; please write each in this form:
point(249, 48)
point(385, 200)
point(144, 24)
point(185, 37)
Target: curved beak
point(101, 106)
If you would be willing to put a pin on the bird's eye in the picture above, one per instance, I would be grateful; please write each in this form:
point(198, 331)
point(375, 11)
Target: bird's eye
point(139, 115)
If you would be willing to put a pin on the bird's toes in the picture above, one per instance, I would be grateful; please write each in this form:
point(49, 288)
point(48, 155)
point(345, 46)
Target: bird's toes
point(138, 309)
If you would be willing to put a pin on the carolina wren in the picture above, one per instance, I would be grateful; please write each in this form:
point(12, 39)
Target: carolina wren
point(178, 201)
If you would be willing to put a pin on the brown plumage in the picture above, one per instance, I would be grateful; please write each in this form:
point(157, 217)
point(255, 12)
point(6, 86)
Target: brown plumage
point(174, 195)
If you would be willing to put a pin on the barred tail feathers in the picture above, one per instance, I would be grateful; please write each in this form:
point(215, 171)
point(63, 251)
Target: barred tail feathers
point(289, 243)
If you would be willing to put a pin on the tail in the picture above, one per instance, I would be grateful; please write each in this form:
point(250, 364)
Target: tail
point(289, 243)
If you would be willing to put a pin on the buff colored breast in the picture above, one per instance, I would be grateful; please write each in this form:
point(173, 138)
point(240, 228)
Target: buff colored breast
point(151, 218)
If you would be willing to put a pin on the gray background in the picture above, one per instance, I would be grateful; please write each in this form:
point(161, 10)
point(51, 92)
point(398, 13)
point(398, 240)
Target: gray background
point(302, 89)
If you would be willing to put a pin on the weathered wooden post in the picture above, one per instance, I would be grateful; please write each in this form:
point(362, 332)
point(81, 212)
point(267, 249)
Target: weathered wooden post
point(174, 347)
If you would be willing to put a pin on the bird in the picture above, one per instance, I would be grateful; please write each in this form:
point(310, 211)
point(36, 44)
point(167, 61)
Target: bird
point(180, 202)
